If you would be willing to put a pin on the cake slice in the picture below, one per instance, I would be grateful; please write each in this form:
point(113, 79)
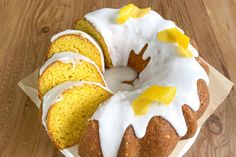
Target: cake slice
point(67, 108)
point(86, 26)
point(67, 66)
point(79, 42)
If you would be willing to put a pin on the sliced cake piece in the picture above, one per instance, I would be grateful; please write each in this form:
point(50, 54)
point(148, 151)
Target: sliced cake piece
point(67, 107)
point(86, 26)
point(77, 41)
point(67, 66)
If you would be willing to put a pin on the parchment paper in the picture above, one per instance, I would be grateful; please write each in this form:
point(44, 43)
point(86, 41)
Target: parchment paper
point(219, 88)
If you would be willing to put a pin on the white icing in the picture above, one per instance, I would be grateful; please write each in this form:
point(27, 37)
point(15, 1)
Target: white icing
point(132, 35)
point(114, 78)
point(55, 95)
point(165, 68)
point(85, 35)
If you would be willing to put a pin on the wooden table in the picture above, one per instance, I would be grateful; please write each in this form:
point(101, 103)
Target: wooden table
point(25, 31)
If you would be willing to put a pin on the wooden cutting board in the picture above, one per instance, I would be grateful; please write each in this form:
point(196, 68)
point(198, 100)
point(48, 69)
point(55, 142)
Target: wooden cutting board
point(25, 30)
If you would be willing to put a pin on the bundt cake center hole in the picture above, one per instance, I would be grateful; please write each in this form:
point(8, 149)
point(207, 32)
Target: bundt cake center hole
point(136, 61)
point(120, 78)
point(123, 78)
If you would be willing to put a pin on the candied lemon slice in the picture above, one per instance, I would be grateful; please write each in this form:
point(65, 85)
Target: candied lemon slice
point(184, 52)
point(174, 35)
point(130, 10)
point(160, 94)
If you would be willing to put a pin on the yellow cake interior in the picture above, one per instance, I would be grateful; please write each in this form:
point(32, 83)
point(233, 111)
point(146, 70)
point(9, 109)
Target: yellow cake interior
point(67, 118)
point(59, 72)
point(76, 43)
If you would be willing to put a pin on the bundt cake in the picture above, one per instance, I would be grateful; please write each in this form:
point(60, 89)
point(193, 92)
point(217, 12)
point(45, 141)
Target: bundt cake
point(67, 108)
point(149, 109)
point(67, 66)
point(172, 63)
point(77, 41)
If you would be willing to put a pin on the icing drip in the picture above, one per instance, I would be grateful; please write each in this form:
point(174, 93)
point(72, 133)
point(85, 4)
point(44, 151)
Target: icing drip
point(165, 68)
point(85, 35)
point(114, 78)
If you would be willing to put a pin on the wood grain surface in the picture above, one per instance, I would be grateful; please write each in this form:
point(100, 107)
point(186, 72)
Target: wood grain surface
point(25, 30)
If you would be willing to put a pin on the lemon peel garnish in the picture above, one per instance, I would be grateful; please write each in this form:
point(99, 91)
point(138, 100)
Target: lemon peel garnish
point(160, 94)
point(130, 10)
point(173, 35)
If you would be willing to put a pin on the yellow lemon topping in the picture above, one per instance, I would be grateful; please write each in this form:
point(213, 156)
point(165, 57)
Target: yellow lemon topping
point(174, 35)
point(160, 94)
point(130, 10)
